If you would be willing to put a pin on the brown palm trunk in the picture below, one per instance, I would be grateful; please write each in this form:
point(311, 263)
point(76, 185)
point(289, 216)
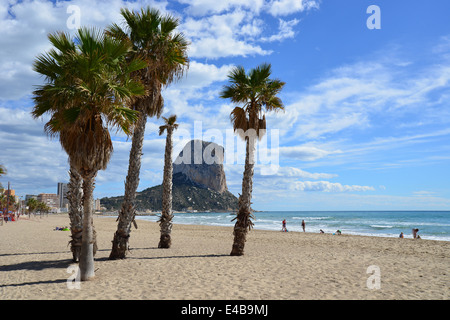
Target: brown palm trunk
point(243, 222)
point(165, 222)
point(86, 263)
point(128, 210)
point(75, 197)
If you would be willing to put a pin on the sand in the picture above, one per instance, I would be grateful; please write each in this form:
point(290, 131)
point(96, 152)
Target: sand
point(34, 262)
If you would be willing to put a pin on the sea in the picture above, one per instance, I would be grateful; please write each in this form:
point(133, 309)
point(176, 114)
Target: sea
point(432, 225)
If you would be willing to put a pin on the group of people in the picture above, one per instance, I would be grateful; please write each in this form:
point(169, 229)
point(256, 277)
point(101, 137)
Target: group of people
point(338, 232)
point(414, 233)
point(62, 229)
point(284, 229)
point(9, 217)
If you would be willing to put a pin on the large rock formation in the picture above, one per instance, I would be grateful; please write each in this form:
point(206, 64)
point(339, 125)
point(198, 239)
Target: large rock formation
point(202, 163)
point(199, 183)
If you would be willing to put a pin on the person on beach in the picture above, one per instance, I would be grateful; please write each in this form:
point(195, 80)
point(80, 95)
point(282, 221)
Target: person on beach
point(338, 232)
point(401, 235)
point(414, 232)
point(303, 225)
point(321, 231)
point(283, 228)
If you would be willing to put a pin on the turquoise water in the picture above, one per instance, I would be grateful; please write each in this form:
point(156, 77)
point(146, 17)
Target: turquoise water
point(433, 225)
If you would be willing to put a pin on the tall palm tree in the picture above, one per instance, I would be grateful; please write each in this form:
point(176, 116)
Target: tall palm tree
point(257, 94)
point(165, 221)
point(87, 87)
point(155, 40)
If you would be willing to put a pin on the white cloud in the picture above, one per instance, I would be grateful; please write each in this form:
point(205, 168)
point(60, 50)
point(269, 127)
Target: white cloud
point(234, 28)
point(354, 96)
point(272, 7)
point(201, 75)
point(290, 182)
point(305, 153)
point(424, 193)
point(219, 35)
point(291, 172)
point(285, 7)
point(326, 186)
point(25, 26)
point(206, 7)
point(285, 31)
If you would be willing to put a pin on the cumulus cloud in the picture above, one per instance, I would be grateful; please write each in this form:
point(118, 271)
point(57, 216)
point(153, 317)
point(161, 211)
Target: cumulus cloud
point(235, 28)
point(285, 31)
point(272, 7)
point(219, 35)
point(25, 26)
point(201, 75)
point(285, 7)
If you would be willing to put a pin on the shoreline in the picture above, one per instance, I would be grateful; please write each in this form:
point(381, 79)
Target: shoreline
point(256, 227)
point(276, 266)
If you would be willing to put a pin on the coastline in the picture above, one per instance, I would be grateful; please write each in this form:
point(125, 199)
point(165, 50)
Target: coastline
point(276, 265)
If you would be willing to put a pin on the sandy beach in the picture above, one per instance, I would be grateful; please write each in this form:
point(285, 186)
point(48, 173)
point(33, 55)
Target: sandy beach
point(34, 262)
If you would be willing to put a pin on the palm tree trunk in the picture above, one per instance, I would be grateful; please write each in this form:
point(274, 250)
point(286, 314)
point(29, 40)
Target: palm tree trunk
point(165, 222)
point(75, 197)
point(128, 209)
point(243, 222)
point(86, 263)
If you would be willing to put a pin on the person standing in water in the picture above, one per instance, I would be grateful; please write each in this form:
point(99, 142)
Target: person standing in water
point(303, 225)
point(284, 226)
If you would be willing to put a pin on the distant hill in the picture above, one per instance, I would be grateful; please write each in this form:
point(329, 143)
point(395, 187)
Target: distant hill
point(197, 185)
point(186, 195)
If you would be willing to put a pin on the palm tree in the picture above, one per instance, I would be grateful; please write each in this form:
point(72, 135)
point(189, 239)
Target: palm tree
point(32, 205)
point(42, 207)
point(154, 39)
point(165, 221)
point(87, 87)
point(2, 173)
point(258, 94)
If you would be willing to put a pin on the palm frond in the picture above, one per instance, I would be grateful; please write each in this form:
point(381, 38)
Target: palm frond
point(162, 129)
point(88, 85)
point(256, 93)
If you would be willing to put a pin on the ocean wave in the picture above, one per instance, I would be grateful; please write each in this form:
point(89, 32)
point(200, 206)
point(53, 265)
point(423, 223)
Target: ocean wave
point(312, 218)
point(381, 226)
point(357, 223)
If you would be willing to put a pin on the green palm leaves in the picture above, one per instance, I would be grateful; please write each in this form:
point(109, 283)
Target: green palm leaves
point(84, 75)
point(155, 41)
point(88, 84)
point(169, 124)
point(257, 93)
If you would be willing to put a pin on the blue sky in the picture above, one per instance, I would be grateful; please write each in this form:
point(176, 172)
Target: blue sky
point(367, 112)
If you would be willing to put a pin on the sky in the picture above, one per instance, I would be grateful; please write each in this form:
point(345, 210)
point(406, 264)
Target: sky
point(366, 124)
